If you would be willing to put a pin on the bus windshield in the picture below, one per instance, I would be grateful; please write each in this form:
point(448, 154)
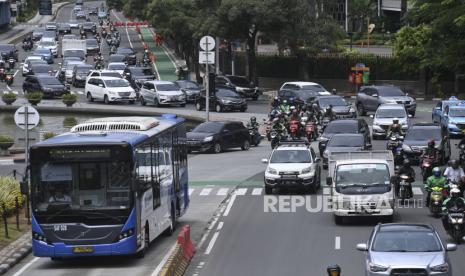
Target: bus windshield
point(80, 179)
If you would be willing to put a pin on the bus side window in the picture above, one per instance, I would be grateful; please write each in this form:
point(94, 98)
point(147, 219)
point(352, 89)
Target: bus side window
point(157, 160)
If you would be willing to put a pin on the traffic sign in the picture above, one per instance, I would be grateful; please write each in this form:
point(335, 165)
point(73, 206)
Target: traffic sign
point(207, 43)
point(206, 57)
point(371, 27)
point(32, 115)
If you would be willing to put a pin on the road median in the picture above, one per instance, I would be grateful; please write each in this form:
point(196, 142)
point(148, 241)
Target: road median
point(181, 255)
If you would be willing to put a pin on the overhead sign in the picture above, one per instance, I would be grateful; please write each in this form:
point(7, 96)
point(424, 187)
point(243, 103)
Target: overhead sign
point(206, 57)
point(207, 43)
point(28, 112)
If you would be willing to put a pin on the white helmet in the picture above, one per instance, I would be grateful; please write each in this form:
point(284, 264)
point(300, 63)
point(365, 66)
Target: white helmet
point(455, 192)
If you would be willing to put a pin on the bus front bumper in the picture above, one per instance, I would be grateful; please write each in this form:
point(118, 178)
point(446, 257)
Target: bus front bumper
point(126, 246)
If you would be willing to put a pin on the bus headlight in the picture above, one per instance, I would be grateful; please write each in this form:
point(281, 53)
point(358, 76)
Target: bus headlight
point(126, 234)
point(39, 237)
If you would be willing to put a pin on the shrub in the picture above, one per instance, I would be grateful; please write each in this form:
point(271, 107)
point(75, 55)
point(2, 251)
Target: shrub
point(34, 96)
point(48, 135)
point(9, 95)
point(69, 97)
point(9, 190)
point(6, 139)
point(69, 122)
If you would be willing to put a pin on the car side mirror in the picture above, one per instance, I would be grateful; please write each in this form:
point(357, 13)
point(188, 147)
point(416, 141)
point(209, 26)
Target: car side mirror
point(264, 161)
point(410, 115)
point(362, 247)
point(372, 116)
point(451, 247)
point(317, 159)
point(329, 181)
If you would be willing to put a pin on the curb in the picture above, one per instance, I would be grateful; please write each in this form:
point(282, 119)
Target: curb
point(15, 252)
point(181, 255)
point(15, 258)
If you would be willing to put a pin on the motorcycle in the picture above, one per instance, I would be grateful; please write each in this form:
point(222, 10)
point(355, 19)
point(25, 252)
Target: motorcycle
point(27, 45)
point(395, 145)
point(104, 33)
point(2, 74)
point(146, 62)
point(462, 155)
point(426, 165)
point(324, 123)
point(436, 198)
point(11, 63)
point(99, 65)
point(310, 130)
point(294, 129)
point(267, 129)
point(112, 49)
point(456, 227)
point(9, 79)
point(255, 136)
point(404, 188)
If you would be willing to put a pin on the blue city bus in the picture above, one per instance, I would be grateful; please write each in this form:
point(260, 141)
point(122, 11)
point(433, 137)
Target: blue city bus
point(45, 7)
point(108, 187)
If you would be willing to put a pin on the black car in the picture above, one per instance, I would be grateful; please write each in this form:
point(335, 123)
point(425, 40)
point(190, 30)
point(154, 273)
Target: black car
point(138, 75)
point(300, 97)
point(129, 55)
point(217, 136)
point(48, 85)
point(89, 27)
point(92, 46)
point(37, 34)
point(64, 28)
point(190, 88)
point(343, 126)
point(38, 69)
point(92, 10)
point(223, 99)
point(8, 51)
point(341, 108)
point(80, 73)
point(241, 84)
point(345, 142)
point(117, 58)
point(81, 54)
point(416, 140)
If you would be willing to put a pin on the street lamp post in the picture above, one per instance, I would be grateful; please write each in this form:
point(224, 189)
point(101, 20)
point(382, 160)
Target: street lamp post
point(351, 35)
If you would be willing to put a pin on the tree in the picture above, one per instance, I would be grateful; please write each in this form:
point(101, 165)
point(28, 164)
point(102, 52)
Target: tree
point(360, 11)
point(135, 8)
point(409, 48)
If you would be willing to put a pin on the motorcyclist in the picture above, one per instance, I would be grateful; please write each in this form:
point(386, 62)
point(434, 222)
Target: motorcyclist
point(455, 174)
point(284, 107)
point(329, 113)
point(279, 126)
point(431, 151)
point(406, 169)
point(436, 180)
point(295, 115)
point(394, 128)
point(275, 102)
point(454, 203)
point(253, 123)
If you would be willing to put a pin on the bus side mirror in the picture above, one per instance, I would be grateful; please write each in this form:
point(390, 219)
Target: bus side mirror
point(24, 187)
point(329, 181)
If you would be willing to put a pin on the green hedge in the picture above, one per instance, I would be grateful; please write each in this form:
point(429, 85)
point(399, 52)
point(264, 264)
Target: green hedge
point(9, 190)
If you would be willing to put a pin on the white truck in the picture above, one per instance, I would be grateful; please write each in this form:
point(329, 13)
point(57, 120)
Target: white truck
point(70, 46)
point(362, 184)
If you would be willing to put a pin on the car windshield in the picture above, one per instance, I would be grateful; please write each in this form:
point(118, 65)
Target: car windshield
point(423, 134)
point(167, 87)
point(117, 83)
point(346, 141)
point(75, 53)
point(71, 65)
point(391, 113)
point(116, 58)
point(38, 32)
point(41, 69)
point(124, 51)
point(116, 66)
point(341, 128)
point(83, 69)
point(226, 93)
point(390, 92)
point(210, 127)
point(47, 43)
point(362, 174)
point(305, 94)
point(110, 74)
point(457, 112)
point(188, 85)
point(91, 42)
point(406, 241)
point(240, 81)
point(313, 87)
point(334, 101)
point(49, 81)
point(69, 36)
point(141, 71)
point(42, 52)
point(291, 156)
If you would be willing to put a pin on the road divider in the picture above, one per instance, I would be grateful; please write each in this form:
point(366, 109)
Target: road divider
point(181, 256)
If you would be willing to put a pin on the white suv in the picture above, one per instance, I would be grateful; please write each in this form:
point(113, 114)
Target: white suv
point(161, 92)
point(292, 165)
point(384, 116)
point(109, 89)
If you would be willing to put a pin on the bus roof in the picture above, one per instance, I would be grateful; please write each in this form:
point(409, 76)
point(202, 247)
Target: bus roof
point(130, 136)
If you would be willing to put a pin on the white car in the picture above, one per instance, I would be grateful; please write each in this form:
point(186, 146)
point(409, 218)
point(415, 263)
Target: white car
point(74, 24)
point(104, 73)
point(69, 69)
point(50, 44)
point(305, 85)
point(384, 116)
point(161, 92)
point(292, 165)
point(109, 89)
point(117, 66)
point(25, 68)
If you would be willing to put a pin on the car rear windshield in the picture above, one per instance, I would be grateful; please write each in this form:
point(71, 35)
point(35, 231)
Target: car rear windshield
point(406, 241)
point(6, 47)
point(47, 43)
point(341, 128)
point(346, 141)
point(116, 66)
point(91, 42)
point(226, 93)
point(111, 74)
point(334, 101)
point(125, 51)
point(423, 134)
point(167, 87)
point(390, 92)
point(240, 81)
point(116, 83)
point(83, 69)
point(49, 81)
point(141, 71)
point(313, 87)
point(188, 84)
point(291, 156)
point(391, 113)
point(210, 127)
point(41, 68)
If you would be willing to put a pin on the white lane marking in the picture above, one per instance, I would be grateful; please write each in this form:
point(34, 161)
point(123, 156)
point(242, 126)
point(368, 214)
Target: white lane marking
point(230, 204)
point(14, 75)
point(257, 191)
point(205, 191)
point(129, 39)
point(241, 191)
point(166, 51)
point(80, 93)
point(326, 191)
point(417, 191)
point(160, 266)
point(222, 191)
point(337, 243)
point(117, 17)
point(8, 87)
point(212, 242)
point(7, 162)
point(191, 191)
point(220, 225)
point(212, 224)
point(26, 266)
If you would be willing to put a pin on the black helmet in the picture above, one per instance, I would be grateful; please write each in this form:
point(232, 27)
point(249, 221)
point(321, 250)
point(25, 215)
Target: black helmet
point(406, 163)
point(253, 119)
point(395, 121)
point(431, 143)
point(454, 164)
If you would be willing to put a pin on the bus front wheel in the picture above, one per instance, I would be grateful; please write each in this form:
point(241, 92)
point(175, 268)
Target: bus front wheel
point(141, 254)
point(172, 227)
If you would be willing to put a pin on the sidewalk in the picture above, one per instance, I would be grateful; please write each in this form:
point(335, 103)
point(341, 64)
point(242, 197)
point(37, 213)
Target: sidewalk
point(25, 27)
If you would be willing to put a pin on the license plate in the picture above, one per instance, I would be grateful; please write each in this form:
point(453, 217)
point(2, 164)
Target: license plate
point(83, 249)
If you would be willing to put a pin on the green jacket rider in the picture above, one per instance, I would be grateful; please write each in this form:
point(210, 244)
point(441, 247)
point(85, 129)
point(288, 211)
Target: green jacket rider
point(436, 180)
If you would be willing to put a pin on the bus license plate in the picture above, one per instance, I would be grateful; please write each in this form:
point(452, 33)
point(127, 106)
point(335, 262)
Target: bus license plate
point(83, 249)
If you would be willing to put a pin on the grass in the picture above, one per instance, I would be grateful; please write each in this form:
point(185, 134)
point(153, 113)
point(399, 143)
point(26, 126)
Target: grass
point(13, 233)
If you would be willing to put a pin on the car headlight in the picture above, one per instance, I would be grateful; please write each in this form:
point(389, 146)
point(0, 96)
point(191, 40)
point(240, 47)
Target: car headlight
point(308, 170)
point(208, 139)
point(406, 148)
point(376, 126)
point(405, 126)
point(351, 109)
point(440, 268)
point(111, 92)
point(226, 101)
point(377, 268)
point(163, 97)
point(239, 89)
point(271, 171)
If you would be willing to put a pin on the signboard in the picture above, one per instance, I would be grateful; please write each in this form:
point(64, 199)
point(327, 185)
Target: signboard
point(206, 57)
point(27, 114)
point(207, 43)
